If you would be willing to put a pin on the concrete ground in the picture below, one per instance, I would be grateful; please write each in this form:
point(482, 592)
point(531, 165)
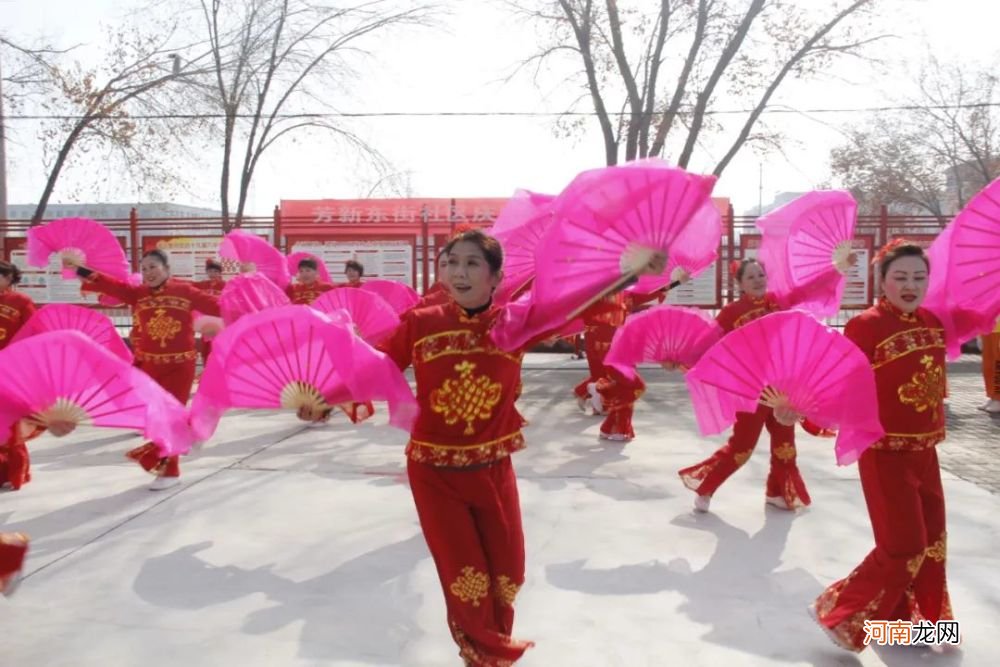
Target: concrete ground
point(295, 545)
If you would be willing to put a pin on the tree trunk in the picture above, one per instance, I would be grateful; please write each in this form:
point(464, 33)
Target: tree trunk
point(50, 184)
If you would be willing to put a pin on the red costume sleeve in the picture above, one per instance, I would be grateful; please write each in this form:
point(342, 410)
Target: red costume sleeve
point(202, 301)
point(856, 331)
point(399, 346)
point(119, 289)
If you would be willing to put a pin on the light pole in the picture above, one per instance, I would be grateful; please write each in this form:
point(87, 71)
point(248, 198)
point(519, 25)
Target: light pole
point(3, 153)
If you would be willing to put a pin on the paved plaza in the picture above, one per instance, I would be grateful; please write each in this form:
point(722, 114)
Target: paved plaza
point(297, 545)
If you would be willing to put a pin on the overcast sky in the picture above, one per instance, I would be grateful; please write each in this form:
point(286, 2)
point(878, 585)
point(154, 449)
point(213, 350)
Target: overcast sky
point(459, 69)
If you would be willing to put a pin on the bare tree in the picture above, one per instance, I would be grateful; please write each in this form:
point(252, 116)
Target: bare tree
point(113, 107)
point(667, 63)
point(271, 56)
point(888, 163)
point(941, 148)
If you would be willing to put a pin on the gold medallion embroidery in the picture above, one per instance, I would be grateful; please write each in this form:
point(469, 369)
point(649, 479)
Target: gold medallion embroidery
point(742, 457)
point(471, 586)
point(926, 389)
point(785, 452)
point(466, 398)
point(162, 327)
point(937, 551)
point(913, 565)
point(506, 590)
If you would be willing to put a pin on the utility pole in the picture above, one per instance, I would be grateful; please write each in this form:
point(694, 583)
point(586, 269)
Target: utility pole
point(3, 154)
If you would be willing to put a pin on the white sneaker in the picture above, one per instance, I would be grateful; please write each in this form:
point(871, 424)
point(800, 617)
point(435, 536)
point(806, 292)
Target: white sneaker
point(993, 407)
point(583, 404)
point(778, 502)
point(596, 403)
point(161, 483)
point(614, 437)
point(701, 503)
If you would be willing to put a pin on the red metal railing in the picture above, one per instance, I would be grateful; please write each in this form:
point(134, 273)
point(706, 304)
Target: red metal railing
point(430, 231)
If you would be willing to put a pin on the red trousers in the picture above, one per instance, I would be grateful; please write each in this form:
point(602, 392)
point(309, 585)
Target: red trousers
point(618, 395)
point(13, 547)
point(177, 380)
point(903, 577)
point(991, 365)
point(597, 342)
point(471, 519)
point(784, 479)
point(15, 464)
point(357, 412)
point(206, 349)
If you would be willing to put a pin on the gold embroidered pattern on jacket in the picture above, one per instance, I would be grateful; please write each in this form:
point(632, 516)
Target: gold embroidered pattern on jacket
point(466, 398)
point(905, 342)
point(162, 327)
point(461, 342)
point(471, 586)
point(926, 389)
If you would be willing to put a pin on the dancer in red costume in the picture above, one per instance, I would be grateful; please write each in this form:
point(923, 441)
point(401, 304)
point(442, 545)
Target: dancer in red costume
point(785, 488)
point(15, 309)
point(904, 575)
point(354, 270)
point(307, 286)
point(213, 284)
point(438, 293)
point(164, 347)
point(459, 465)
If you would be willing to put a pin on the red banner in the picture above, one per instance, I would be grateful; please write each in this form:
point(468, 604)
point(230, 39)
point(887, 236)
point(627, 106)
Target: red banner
point(397, 211)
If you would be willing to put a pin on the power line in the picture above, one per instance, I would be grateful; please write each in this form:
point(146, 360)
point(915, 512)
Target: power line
point(504, 114)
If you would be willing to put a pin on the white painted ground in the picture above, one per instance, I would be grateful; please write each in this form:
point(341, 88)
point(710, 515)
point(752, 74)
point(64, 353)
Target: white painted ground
point(291, 545)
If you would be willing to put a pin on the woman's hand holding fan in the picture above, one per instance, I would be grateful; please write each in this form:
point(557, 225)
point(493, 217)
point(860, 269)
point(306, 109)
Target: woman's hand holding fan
point(59, 379)
point(79, 242)
point(611, 227)
point(671, 336)
point(806, 250)
point(297, 358)
point(791, 362)
point(964, 290)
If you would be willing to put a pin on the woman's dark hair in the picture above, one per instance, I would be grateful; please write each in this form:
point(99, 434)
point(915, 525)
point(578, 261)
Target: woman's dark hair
point(158, 255)
point(11, 271)
point(308, 263)
point(744, 264)
point(356, 265)
point(211, 264)
point(492, 250)
point(894, 250)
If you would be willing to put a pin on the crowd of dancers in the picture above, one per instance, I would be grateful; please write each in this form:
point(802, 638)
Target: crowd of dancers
point(466, 350)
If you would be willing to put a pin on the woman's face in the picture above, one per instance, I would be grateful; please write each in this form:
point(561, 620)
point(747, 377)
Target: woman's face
point(905, 284)
point(469, 276)
point(353, 275)
point(154, 272)
point(307, 275)
point(5, 281)
point(754, 281)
